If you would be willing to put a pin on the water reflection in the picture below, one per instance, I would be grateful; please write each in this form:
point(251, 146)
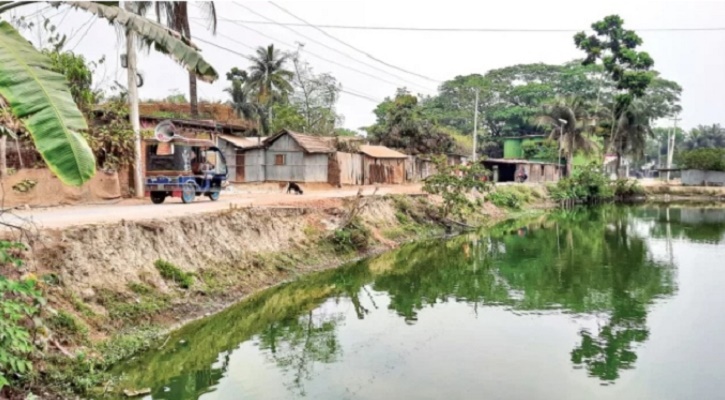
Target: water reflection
point(590, 263)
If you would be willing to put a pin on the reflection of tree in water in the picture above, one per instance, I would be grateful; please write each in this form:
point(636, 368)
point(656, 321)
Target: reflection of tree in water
point(587, 262)
point(194, 385)
point(296, 344)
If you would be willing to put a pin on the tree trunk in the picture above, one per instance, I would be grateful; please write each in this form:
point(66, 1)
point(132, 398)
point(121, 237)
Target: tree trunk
point(3, 156)
point(193, 100)
point(619, 164)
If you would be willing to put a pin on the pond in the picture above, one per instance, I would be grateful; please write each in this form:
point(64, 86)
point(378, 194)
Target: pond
point(605, 303)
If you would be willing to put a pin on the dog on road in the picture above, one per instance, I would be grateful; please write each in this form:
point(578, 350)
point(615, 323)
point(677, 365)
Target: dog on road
point(293, 187)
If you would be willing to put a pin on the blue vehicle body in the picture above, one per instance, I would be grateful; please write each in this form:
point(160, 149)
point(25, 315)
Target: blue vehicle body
point(184, 168)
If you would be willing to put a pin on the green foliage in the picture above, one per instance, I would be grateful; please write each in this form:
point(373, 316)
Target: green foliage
point(287, 116)
point(402, 124)
point(454, 183)
point(111, 137)
point(547, 150)
point(345, 132)
point(627, 189)
point(511, 196)
point(704, 136)
point(68, 326)
point(176, 97)
point(586, 184)
point(41, 99)
point(20, 306)
point(708, 159)
point(173, 273)
point(79, 74)
point(353, 237)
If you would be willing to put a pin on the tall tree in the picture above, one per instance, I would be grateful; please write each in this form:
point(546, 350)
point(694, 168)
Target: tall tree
point(270, 80)
point(572, 124)
point(401, 123)
point(315, 96)
point(628, 68)
point(175, 15)
point(241, 95)
point(705, 136)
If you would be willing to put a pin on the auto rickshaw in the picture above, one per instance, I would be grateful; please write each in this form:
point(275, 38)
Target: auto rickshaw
point(182, 167)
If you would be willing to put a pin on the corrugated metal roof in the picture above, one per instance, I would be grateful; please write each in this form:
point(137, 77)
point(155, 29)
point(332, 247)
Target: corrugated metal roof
point(311, 144)
point(244, 142)
point(380, 152)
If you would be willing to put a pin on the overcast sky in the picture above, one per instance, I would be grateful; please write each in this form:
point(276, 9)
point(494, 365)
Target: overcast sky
point(695, 60)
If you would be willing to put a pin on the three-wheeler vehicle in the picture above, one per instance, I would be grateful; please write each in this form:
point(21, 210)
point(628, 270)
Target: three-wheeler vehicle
point(177, 166)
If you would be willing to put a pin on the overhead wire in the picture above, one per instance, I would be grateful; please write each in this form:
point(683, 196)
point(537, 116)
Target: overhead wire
point(397, 84)
point(448, 29)
point(333, 49)
point(370, 56)
point(84, 34)
point(227, 49)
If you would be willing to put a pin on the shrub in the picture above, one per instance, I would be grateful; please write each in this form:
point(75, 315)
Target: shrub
point(354, 236)
point(547, 150)
point(512, 196)
point(67, 325)
point(626, 189)
point(173, 273)
point(585, 184)
point(453, 183)
point(708, 159)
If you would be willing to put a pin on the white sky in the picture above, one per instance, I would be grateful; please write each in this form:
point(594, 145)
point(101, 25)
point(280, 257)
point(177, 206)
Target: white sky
point(695, 60)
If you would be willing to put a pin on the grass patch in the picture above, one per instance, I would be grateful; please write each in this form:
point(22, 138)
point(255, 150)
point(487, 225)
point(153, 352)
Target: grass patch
point(122, 308)
point(171, 272)
point(68, 326)
point(140, 288)
point(354, 237)
point(512, 196)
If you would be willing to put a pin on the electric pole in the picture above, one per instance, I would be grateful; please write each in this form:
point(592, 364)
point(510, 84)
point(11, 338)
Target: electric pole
point(671, 145)
point(475, 126)
point(133, 107)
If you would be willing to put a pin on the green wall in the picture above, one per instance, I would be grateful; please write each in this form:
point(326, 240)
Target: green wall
point(512, 148)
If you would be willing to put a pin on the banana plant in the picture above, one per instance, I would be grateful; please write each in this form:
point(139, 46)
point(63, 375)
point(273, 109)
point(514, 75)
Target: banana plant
point(40, 98)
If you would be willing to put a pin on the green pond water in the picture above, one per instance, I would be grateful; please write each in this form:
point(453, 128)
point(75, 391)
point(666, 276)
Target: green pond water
point(606, 303)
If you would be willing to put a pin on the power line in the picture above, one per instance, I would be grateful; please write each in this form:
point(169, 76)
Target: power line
point(463, 30)
point(331, 48)
point(85, 33)
point(328, 47)
point(348, 91)
point(396, 84)
point(355, 48)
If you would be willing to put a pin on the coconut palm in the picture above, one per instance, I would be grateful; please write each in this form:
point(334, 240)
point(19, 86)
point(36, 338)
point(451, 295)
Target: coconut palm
point(632, 130)
point(175, 15)
point(571, 125)
point(270, 81)
point(240, 92)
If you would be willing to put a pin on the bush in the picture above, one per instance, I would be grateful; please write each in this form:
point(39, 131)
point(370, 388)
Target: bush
point(171, 272)
point(710, 159)
point(585, 184)
point(354, 236)
point(513, 196)
point(454, 183)
point(547, 150)
point(67, 325)
point(627, 189)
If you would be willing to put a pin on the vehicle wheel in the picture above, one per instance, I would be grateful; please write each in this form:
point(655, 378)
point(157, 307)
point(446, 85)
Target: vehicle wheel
point(214, 196)
point(188, 193)
point(158, 197)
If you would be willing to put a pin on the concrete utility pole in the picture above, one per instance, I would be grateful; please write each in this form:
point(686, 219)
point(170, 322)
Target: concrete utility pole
point(475, 127)
point(133, 107)
point(671, 145)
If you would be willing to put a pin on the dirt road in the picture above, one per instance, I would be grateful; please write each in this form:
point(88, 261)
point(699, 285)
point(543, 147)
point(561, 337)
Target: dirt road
point(138, 210)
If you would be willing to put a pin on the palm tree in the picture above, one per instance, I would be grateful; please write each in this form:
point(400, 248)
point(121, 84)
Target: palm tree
point(571, 124)
point(175, 15)
point(240, 92)
point(270, 81)
point(631, 132)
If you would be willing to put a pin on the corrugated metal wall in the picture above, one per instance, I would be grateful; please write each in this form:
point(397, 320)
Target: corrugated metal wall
point(417, 169)
point(386, 171)
point(254, 165)
point(229, 152)
point(351, 168)
point(299, 166)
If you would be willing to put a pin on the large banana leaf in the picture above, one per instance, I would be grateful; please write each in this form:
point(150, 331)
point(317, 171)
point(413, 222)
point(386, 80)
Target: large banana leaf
point(41, 99)
point(164, 39)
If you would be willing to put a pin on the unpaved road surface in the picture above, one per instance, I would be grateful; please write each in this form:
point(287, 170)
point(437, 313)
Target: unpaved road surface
point(139, 210)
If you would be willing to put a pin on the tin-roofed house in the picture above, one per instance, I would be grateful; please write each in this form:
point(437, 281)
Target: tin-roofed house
point(245, 157)
point(382, 165)
point(295, 157)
